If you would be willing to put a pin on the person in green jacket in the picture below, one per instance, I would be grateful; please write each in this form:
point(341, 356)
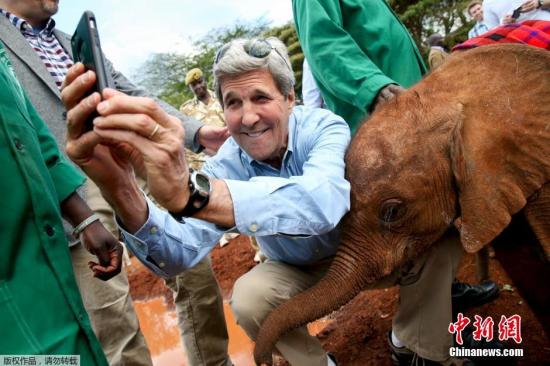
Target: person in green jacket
point(359, 53)
point(41, 312)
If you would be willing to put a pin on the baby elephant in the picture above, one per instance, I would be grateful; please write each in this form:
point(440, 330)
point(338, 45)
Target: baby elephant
point(468, 146)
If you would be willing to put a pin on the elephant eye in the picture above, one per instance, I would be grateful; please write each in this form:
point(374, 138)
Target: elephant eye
point(391, 210)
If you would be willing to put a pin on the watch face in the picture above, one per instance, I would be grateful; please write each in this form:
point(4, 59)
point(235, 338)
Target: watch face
point(202, 183)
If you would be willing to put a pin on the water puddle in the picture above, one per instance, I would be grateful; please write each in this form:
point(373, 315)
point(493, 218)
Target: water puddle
point(160, 328)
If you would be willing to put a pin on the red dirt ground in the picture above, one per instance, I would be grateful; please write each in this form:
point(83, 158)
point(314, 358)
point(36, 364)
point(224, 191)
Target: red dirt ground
point(356, 334)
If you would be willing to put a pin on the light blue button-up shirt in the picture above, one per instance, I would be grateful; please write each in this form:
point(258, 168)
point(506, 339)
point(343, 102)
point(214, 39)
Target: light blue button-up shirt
point(478, 29)
point(293, 211)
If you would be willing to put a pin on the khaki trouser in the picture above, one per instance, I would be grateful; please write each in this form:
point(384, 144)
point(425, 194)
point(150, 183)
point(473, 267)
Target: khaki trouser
point(420, 323)
point(196, 295)
point(200, 315)
point(108, 303)
point(267, 285)
point(425, 308)
point(112, 315)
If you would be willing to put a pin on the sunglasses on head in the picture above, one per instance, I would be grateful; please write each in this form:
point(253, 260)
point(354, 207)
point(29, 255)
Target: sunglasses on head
point(258, 48)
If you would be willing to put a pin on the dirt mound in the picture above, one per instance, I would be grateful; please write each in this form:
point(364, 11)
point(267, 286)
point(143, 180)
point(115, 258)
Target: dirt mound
point(356, 333)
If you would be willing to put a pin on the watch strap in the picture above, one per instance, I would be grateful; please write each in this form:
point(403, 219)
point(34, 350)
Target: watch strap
point(195, 203)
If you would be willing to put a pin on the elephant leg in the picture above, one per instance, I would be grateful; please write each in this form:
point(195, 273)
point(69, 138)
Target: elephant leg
point(537, 213)
point(518, 251)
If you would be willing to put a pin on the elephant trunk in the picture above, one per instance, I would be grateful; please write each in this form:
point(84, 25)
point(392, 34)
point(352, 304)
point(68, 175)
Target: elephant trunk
point(343, 281)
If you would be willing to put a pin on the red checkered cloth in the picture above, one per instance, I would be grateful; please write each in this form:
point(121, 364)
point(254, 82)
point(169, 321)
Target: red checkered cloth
point(531, 32)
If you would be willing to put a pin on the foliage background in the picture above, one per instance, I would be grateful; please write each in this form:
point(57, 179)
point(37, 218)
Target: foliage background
point(163, 73)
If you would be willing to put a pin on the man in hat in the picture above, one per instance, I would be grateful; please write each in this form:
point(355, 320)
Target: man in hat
point(204, 107)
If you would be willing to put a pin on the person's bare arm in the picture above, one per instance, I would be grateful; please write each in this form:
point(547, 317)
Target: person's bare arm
point(95, 238)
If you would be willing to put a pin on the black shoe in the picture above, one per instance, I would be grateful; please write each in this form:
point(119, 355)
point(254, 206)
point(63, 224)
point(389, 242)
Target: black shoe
point(465, 295)
point(399, 355)
point(402, 356)
point(332, 358)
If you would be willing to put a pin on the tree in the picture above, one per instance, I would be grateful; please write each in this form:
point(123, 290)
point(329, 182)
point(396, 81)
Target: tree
point(424, 17)
point(163, 73)
point(287, 34)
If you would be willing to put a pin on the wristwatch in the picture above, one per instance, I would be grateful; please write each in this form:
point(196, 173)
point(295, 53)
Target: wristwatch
point(541, 3)
point(199, 194)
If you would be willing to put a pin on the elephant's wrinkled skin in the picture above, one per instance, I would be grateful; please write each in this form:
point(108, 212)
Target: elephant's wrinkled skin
point(467, 146)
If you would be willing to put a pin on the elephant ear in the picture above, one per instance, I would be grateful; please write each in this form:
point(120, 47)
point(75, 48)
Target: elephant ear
point(497, 166)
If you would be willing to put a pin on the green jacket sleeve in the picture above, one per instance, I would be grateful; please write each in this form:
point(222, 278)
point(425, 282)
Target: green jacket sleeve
point(65, 176)
point(353, 76)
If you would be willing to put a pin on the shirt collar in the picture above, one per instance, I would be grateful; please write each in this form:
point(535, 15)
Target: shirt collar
point(289, 146)
point(25, 28)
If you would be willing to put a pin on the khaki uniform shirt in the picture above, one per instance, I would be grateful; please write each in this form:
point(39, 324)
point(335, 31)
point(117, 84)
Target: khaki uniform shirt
point(211, 114)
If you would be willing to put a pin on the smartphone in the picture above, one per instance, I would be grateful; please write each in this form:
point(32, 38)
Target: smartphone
point(87, 49)
point(516, 13)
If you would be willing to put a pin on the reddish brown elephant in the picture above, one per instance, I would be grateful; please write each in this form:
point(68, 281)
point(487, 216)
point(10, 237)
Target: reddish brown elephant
point(468, 146)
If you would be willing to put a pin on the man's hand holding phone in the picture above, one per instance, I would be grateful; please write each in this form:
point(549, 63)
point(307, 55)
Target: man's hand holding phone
point(81, 92)
point(106, 163)
point(131, 131)
point(526, 7)
point(127, 132)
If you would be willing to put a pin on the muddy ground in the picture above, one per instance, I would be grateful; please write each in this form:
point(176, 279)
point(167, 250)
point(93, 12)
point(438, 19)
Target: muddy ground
point(356, 333)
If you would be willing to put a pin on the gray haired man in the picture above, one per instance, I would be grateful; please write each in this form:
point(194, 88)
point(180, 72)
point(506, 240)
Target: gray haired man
point(275, 178)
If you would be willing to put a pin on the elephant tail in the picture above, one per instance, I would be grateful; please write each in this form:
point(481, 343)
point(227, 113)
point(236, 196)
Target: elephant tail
point(335, 289)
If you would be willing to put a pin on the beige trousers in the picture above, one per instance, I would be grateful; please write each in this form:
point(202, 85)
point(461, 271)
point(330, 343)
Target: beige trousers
point(420, 323)
point(200, 315)
point(197, 296)
point(425, 308)
point(108, 303)
point(264, 287)
point(111, 312)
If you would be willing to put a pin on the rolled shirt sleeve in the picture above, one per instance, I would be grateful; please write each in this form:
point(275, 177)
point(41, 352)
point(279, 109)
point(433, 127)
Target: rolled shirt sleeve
point(168, 247)
point(490, 18)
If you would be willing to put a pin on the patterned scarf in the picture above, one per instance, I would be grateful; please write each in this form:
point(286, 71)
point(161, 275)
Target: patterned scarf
point(531, 32)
